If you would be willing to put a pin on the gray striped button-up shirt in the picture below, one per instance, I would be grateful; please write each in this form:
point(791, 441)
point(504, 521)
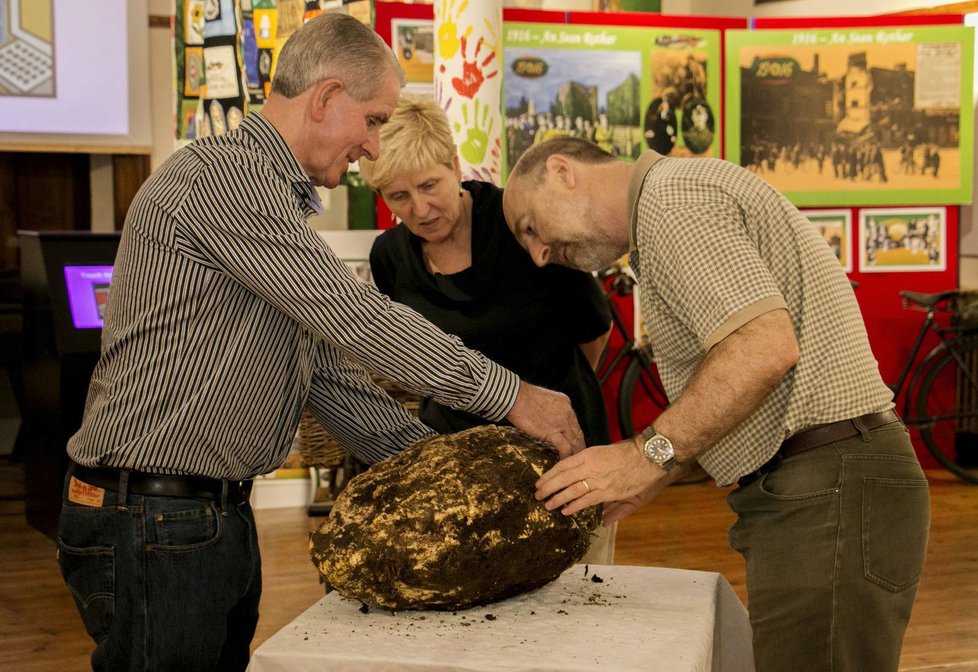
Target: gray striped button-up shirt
point(227, 314)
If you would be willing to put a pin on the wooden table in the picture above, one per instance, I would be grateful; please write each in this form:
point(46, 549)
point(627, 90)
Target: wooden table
point(634, 618)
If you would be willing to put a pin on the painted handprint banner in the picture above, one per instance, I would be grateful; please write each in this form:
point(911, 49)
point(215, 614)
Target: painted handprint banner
point(468, 82)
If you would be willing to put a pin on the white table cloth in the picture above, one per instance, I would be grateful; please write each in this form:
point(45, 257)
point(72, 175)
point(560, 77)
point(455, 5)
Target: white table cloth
point(636, 618)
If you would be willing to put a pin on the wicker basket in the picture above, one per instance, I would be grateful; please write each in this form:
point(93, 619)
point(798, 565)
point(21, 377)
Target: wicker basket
point(319, 449)
point(966, 310)
point(331, 465)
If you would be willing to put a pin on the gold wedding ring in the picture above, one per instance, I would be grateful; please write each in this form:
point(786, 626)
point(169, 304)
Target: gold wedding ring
point(587, 487)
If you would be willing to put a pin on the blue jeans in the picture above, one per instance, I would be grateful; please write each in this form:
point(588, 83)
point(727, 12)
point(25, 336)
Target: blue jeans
point(834, 541)
point(163, 583)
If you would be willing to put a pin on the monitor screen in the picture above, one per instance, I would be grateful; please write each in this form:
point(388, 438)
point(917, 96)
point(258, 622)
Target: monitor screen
point(88, 288)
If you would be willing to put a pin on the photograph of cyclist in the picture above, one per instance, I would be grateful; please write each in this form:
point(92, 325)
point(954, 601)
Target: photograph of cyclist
point(453, 259)
point(773, 387)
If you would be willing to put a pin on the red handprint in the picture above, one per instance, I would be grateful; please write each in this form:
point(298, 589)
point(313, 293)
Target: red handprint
point(472, 71)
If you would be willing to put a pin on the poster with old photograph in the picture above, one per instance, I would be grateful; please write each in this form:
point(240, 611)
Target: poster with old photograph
point(835, 226)
point(624, 89)
point(864, 116)
point(414, 45)
point(902, 239)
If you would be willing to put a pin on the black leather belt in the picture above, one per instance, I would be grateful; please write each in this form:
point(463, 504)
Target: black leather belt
point(819, 435)
point(160, 485)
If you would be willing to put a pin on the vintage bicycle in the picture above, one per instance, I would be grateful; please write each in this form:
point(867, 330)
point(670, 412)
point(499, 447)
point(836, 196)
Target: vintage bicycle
point(640, 395)
point(941, 400)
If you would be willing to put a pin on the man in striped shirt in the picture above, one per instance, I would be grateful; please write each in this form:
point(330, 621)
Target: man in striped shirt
point(228, 315)
point(774, 389)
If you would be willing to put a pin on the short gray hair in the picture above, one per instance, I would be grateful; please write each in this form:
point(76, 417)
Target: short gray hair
point(532, 165)
point(335, 46)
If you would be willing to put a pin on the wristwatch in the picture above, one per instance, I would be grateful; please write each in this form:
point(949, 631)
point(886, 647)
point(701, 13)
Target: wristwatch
point(659, 449)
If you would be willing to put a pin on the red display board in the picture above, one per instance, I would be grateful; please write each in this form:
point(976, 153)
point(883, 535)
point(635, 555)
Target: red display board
point(891, 329)
point(785, 23)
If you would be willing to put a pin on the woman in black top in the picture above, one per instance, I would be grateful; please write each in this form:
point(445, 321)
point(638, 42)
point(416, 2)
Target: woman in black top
point(454, 260)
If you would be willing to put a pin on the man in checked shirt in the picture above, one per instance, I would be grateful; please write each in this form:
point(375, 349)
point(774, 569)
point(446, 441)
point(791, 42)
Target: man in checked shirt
point(774, 390)
point(226, 317)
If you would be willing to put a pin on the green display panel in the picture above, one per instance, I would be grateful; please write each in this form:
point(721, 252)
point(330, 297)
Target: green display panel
point(625, 89)
point(854, 116)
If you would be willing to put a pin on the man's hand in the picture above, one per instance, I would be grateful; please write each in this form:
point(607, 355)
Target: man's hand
point(618, 474)
point(548, 416)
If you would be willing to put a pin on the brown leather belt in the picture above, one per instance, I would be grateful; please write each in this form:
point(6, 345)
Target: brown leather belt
point(160, 485)
point(820, 435)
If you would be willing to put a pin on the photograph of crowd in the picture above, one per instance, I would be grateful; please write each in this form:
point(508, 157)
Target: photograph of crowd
point(555, 92)
point(848, 114)
point(902, 239)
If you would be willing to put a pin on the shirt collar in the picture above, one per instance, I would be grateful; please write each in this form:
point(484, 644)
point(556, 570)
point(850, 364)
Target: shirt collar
point(642, 168)
point(281, 156)
point(283, 160)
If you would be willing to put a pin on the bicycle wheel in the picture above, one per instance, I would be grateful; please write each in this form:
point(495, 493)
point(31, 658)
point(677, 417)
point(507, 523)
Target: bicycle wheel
point(946, 409)
point(641, 396)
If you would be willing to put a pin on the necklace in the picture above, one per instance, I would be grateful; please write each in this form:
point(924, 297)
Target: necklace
point(428, 261)
point(455, 252)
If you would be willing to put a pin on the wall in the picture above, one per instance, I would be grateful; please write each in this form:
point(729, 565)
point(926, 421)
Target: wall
point(159, 38)
point(968, 232)
point(968, 249)
point(161, 77)
point(795, 7)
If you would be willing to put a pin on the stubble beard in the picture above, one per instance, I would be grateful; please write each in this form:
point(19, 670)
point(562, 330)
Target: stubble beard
point(594, 252)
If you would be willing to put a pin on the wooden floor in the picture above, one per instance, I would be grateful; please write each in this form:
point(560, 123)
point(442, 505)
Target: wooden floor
point(685, 527)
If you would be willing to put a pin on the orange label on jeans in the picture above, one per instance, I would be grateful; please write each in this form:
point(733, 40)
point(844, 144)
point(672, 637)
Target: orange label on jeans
point(82, 493)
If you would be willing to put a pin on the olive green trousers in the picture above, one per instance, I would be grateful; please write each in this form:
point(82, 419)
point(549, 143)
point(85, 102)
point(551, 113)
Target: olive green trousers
point(834, 542)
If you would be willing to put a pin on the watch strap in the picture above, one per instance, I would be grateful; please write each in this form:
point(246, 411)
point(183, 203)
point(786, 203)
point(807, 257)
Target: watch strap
point(647, 434)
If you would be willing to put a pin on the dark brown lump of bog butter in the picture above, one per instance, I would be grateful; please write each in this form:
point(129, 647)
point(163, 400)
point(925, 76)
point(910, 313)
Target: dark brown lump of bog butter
point(450, 523)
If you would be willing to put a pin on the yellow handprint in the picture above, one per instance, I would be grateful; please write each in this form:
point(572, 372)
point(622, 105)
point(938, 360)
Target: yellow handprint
point(473, 149)
point(448, 37)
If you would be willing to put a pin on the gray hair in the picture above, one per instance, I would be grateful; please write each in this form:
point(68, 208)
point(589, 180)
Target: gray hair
point(532, 165)
point(335, 46)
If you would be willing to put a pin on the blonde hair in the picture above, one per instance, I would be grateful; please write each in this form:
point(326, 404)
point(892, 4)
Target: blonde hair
point(416, 137)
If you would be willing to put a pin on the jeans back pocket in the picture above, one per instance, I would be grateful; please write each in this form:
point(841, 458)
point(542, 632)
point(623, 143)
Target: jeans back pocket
point(896, 519)
point(89, 574)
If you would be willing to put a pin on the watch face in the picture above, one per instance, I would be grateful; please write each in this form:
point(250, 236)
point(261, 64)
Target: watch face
point(659, 449)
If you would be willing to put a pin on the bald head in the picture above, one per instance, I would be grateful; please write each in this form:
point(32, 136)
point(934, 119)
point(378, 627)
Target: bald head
point(556, 206)
point(532, 165)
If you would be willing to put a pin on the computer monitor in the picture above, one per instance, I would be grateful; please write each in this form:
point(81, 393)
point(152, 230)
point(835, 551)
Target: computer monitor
point(88, 289)
point(66, 277)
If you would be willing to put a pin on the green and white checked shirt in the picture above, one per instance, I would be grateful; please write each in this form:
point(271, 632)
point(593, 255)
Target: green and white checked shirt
point(716, 246)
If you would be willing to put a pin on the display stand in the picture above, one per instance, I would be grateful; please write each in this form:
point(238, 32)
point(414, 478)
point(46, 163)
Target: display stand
point(58, 355)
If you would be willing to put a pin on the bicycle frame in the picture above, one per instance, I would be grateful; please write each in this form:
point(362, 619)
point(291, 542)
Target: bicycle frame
point(928, 325)
point(946, 345)
point(627, 347)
